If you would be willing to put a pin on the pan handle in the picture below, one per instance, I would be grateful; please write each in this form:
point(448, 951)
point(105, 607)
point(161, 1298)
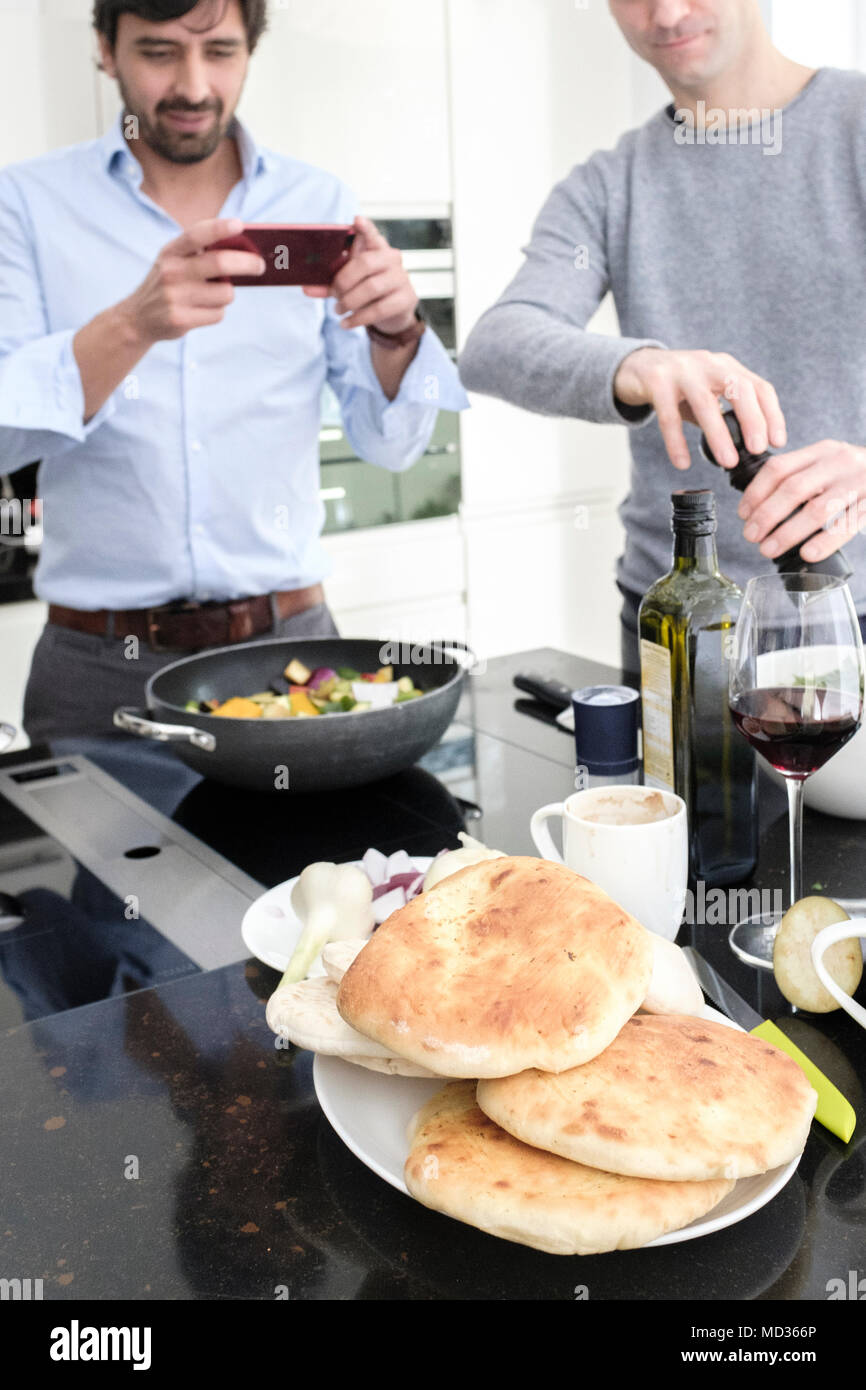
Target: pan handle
point(462, 653)
point(135, 721)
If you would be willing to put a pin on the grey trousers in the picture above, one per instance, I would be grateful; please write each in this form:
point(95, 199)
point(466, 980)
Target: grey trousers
point(629, 648)
point(77, 680)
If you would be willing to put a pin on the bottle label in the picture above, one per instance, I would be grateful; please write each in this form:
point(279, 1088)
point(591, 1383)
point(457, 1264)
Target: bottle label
point(658, 730)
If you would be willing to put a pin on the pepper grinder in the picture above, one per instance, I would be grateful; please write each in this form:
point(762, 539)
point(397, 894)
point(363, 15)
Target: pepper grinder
point(606, 731)
point(747, 468)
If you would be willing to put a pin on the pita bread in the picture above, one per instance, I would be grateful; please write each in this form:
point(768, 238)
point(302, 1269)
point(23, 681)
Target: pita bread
point(306, 1014)
point(337, 956)
point(671, 1098)
point(463, 1165)
point(393, 1066)
point(507, 964)
point(673, 986)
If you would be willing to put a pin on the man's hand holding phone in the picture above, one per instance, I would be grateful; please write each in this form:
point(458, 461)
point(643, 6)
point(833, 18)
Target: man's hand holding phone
point(187, 286)
point(373, 289)
point(180, 291)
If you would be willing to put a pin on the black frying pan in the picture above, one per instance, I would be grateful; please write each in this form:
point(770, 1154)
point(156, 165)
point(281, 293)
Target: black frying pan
point(321, 754)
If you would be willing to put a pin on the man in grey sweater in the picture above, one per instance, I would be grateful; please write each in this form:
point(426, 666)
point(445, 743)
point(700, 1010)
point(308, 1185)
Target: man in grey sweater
point(730, 230)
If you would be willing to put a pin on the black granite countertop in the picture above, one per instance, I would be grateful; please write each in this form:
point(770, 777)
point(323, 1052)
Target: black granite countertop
point(158, 1145)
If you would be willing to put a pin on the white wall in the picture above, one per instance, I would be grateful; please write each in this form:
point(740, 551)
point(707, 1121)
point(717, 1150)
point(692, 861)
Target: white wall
point(47, 95)
point(829, 34)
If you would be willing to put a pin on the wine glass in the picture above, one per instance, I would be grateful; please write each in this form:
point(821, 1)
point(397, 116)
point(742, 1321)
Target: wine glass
point(796, 680)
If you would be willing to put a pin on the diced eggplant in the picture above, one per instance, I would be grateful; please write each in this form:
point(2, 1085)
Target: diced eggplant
point(280, 686)
point(321, 676)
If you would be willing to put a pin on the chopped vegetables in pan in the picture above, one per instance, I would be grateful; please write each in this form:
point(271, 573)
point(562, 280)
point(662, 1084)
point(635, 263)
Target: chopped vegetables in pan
point(300, 693)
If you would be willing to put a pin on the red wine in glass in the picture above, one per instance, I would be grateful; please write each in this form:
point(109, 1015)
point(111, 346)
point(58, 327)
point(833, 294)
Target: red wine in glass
point(796, 682)
point(797, 730)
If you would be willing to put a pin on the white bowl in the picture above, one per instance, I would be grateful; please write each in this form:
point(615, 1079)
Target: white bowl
point(839, 787)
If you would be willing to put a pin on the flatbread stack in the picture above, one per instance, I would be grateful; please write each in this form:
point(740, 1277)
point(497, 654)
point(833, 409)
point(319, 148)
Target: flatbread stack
point(463, 1164)
point(574, 1123)
point(650, 1134)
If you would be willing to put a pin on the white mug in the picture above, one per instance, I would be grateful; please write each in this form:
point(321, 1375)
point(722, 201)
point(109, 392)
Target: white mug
point(839, 931)
point(644, 868)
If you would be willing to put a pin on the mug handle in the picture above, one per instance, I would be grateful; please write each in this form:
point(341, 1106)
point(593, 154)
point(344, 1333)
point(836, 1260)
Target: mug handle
point(839, 931)
point(541, 835)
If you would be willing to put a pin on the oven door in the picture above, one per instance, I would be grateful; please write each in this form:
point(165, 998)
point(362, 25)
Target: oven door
point(357, 494)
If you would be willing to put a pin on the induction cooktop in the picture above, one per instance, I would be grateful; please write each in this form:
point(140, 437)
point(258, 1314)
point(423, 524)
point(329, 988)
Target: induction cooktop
point(101, 894)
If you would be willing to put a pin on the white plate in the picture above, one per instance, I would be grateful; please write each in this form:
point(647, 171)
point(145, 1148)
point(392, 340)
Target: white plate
point(371, 1112)
point(270, 928)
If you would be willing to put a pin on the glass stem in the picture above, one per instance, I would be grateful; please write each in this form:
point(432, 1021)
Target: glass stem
point(795, 831)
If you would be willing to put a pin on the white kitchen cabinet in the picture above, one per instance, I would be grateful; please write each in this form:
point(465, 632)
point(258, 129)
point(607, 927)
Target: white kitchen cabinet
point(558, 89)
point(539, 575)
point(405, 582)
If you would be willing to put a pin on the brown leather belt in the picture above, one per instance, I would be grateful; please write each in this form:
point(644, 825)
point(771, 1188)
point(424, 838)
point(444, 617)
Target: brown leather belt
point(188, 626)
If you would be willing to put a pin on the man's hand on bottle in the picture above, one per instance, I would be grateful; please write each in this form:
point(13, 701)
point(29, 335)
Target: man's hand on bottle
point(687, 385)
point(828, 480)
point(184, 288)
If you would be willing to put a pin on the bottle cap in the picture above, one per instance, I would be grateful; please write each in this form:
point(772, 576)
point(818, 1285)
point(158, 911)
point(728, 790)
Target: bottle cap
point(689, 502)
point(694, 510)
point(606, 722)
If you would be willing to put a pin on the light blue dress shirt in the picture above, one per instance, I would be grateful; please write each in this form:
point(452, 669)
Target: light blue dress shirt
point(199, 477)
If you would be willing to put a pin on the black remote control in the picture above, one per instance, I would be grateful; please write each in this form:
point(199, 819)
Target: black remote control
point(548, 689)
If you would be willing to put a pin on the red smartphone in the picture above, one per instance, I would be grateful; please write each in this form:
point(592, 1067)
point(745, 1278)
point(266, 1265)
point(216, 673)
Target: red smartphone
point(293, 253)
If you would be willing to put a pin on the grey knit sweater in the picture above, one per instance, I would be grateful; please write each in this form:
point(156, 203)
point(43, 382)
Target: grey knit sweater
point(757, 249)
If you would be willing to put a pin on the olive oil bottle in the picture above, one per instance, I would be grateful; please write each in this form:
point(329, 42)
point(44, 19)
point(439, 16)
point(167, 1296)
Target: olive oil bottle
point(691, 745)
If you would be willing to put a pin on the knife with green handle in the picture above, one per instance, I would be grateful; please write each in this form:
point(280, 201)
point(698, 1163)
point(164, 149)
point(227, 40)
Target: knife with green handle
point(833, 1111)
